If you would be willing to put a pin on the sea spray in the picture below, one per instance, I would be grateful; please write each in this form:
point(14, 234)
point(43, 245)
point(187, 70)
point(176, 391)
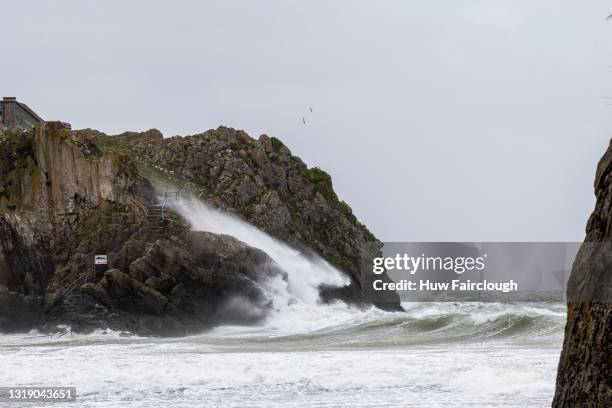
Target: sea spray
point(305, 274)
point(297, 309)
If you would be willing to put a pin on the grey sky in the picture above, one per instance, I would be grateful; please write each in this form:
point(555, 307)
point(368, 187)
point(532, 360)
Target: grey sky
point(438, 120)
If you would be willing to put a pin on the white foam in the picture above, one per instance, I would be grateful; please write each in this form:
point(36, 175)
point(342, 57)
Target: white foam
point(110, 373)
point(297, 308)
point(296, 303)
point(305, 273)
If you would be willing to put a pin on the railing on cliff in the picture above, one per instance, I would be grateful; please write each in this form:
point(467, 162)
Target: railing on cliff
point(168, 196)
point(78, 282)
point(156, 215)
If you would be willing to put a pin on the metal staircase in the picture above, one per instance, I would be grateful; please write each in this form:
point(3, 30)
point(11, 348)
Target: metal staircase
point(156, 216)
point(73, 300)
point(155, 226)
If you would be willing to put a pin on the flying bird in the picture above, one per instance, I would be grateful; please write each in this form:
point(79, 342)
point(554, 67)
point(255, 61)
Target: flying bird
point(311, 109)
point(304, 120)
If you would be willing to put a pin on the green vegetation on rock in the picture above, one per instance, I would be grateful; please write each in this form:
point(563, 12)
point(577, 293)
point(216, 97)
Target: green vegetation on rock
point(112, 144)
point(345, 209)
point(145, 168)
point(23, 145)
point(276, 144)
point(322, 182)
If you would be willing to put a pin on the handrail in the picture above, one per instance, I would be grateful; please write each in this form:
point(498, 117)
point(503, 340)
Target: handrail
point(163, 207)
point(77, 282)
point(165, 202)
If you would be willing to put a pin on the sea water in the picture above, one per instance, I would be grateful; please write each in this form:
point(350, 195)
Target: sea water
point(306, 354)
point(477, 355)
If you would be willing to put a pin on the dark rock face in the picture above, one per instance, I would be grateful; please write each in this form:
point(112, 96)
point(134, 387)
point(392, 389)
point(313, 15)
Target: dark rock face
point(180, 286)
point(21, 269)
point(584, 378)
point(18, 313)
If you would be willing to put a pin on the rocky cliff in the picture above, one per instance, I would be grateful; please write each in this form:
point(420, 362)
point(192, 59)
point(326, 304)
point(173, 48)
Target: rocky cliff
point(50, 180)
point(584, 378)
point(66, 195)
point(262, 182)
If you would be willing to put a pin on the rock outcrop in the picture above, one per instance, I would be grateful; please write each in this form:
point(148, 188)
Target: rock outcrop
point(66, 195)
point(584, 377)
point(263, 183)
point(50, 181)
point(180, 286)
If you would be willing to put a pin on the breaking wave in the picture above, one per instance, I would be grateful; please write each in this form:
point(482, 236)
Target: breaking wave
point(304, 273)
point(299, 315)
point(307, 353)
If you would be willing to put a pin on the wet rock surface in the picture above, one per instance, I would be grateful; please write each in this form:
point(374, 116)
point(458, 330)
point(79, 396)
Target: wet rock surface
point(18, 313)
point(177, 287)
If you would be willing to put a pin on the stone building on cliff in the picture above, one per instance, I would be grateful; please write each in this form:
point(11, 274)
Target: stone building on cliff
point(17, 114)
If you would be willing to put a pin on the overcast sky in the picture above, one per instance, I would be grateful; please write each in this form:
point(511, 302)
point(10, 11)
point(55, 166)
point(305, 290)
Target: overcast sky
point(438, 120)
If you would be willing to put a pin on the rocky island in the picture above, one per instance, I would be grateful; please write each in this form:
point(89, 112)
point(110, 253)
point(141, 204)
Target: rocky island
point(66, 195)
